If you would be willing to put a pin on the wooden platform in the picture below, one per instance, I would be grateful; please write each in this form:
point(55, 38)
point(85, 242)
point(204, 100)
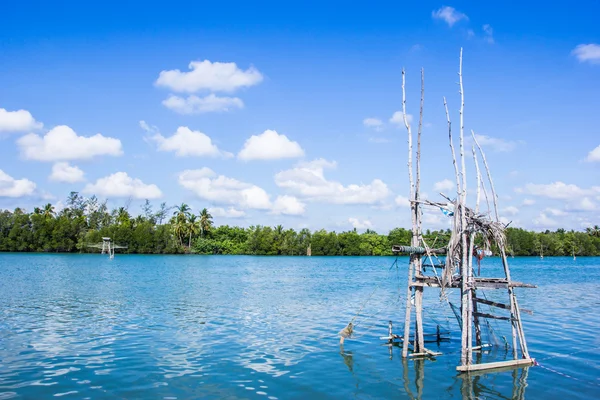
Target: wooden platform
point(509, 364)
point(478, 283)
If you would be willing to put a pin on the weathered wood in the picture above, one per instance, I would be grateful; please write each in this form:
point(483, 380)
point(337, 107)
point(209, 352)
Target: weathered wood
point(479, 283)
point(476, 321)
point(413, 212)
point(495, 365)
point(492, 303)
point(416, 249)
point(484, 315)
point(419, 341)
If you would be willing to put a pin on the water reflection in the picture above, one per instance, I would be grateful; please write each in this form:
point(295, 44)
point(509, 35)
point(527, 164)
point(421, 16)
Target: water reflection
point(476, 386)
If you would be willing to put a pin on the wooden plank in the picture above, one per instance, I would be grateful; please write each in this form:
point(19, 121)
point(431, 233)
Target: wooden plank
point(484, 315)
point(495, 365)
point(492, 303)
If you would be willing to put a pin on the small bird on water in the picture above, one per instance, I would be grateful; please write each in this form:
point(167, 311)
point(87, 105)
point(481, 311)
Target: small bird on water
point(346, 332)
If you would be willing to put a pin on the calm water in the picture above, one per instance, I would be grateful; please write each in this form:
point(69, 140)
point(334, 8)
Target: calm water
point(178, 327)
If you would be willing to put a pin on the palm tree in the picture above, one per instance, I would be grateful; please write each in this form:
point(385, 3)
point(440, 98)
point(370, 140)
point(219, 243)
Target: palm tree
point(205, 222)
point(182, 212)
point(179, 229)
point(48, 211)
point(123, 216)
point(193, 227)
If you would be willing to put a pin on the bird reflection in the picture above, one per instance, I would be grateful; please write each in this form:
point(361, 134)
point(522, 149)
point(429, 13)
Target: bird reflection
point(348, 359)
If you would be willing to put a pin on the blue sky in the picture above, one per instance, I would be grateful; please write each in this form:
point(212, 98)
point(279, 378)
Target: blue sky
point(273, 113)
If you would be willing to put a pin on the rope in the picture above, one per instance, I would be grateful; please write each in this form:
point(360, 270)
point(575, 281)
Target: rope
point(565, 375)
point(568, 355)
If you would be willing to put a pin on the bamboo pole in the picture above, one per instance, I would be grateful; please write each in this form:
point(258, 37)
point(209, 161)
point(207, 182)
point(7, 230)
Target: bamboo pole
point(419, 344)
point(466, 301)
point(451, 247)
point(413, 208)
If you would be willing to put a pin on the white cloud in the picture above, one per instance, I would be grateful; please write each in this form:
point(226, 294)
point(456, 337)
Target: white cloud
point(122, 185)
point(555, 212)
point(495, 143)
point(560, 190)
point(582, 204)
point(186, 142)
point(528, 202)
point(62, 143)
point(587, 53)
point(288, 205)
point(594, 155)
point(226, 213)
point(269, 145)
point(402, 201)
point(510, 210)
point(207, 185)
point(398, 118)
point(434, 219)
point(307, 181)
point(358, 224)
point(17, 121)
point(449, 15)
point(374, 123)
point(11, 187)
point(444, 185)
point(489, 33)
point(64, 172)
point(545, 221)
point(206, 75)
point(198, 105)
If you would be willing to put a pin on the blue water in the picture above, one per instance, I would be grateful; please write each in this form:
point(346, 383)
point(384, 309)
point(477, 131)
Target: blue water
point(179, 327)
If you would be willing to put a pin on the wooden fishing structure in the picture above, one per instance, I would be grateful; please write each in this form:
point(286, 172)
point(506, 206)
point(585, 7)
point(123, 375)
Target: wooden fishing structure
point(469, 227)
point(107, 247)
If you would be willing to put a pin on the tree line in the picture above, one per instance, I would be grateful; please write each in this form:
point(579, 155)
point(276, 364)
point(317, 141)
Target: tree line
point(176, 230)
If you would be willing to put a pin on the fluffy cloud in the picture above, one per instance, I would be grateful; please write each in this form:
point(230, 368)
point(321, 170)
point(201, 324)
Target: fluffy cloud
point(528, 202)
point(11, 187)
point(495, 143)
point(269, 145)
point(288, 205)
point(582, 204)
point(358, 224)
point(206, 75)
point(122, 185)
point(207, 185)
point(555, 212)
point(307, 181)
point(443, 186)
point(17, 121)
point(230, 212)
point(448, 15)
point(198, 105)
point(398, 118)
point(594, 155)
point(544, 221)
point(374, 123)
point(587, 53)
point(510, 210)
point(560, 190)
point(402, 201)
point(62, 143)
point(186, 142)
point(64, 172)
